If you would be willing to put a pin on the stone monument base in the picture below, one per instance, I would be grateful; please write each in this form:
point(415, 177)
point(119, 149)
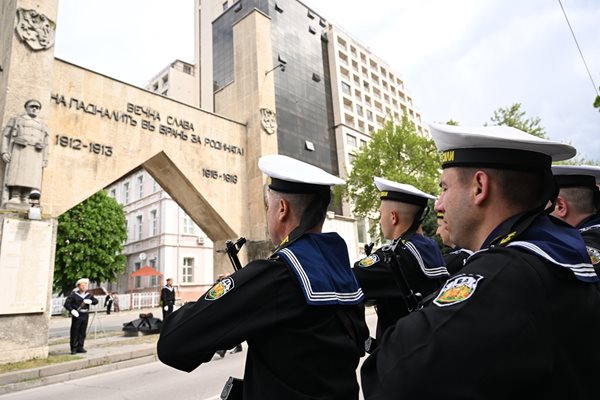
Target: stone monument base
point(26, 270)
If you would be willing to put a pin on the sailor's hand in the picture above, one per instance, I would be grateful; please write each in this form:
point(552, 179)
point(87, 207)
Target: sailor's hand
point(87, 301)
point(75, 313)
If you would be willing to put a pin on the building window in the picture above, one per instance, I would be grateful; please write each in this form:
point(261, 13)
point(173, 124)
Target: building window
point(165, 79)
point(113, 193)
point(346, 89)
point(369, 115)
point(138, 227)
point(138, 279)
point(188, 225)
point(351, 140)
point(153, 223)
point(187, 271)
point(187, 69)
point(351, 157)
point(154, 278)
point(278, 8)
point(140, 185)
point(225, 5)
point(154, 186)
point(126, 192)
point(362, 232)
point(359, 110)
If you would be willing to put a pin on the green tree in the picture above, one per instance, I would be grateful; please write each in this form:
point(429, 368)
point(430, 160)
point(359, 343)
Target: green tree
point(515, 117)
point(597, 102)
point(89, 242)
point(397, 153)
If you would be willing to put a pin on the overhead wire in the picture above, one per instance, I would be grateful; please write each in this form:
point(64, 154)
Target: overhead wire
point(579, 48)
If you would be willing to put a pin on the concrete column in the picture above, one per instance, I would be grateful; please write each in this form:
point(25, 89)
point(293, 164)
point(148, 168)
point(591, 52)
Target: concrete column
point(26, 247)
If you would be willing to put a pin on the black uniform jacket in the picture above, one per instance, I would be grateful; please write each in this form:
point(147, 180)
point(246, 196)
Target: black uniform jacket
point(422, 266)
point(75, 302)
point(167, 296)
point(590, 231)
point(295, 350)
point(455, 260)
point(511, 324)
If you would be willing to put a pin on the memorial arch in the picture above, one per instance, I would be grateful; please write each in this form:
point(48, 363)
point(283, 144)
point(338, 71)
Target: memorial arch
point(99, 129)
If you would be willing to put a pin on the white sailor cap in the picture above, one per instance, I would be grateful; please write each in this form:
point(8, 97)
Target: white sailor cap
point(402, 192)
point(289, 175)
point(576, 175)
point(82, 280)
point(496, 147)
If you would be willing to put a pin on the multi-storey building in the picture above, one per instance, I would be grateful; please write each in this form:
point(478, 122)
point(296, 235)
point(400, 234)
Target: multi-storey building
point(161, 235)
point(331, 92)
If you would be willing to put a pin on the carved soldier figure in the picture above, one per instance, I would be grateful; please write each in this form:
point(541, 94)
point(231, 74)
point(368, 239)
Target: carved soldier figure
point(24, 151)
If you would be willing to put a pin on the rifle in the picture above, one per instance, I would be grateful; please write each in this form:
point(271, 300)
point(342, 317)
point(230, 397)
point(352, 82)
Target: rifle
point(232, 250)
point(233, 389)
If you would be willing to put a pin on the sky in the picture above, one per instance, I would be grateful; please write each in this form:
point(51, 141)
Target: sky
point(460, 59)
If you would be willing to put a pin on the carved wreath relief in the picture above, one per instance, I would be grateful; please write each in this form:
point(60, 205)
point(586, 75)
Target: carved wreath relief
point(35, 29)
point(268, 120)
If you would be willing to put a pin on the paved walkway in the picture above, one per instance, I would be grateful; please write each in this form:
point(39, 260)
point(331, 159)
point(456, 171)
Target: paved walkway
point(107, 349)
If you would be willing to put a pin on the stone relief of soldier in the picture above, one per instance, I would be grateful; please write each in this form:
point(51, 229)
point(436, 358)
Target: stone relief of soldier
point(24, 151)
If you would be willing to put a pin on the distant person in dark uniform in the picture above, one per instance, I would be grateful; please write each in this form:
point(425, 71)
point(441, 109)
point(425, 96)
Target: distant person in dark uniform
point(520, 320)
point(456, 257)
point(578, 204)
point(78, 304)
point(167, 298)
point(400, 275)
point(300, 311)
point(108, 302)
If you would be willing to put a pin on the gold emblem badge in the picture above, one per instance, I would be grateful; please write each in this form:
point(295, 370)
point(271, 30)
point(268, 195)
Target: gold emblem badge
point(457, 289)
point(368, 261)
point(220, 289)
point(594, 254)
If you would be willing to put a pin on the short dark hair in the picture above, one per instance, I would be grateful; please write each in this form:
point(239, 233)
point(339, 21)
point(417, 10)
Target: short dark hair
point(298, 202)
point(523, 189)
point(580, 198)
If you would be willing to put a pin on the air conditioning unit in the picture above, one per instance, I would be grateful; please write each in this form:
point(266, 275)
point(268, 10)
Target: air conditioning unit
point(201, 241)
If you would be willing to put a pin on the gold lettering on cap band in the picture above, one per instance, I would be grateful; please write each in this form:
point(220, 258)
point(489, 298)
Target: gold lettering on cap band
point(384, 194)
point(448, 156)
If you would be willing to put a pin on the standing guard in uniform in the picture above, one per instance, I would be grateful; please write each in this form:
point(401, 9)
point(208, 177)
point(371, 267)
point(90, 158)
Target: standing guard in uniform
point(578, 204)
point(456, 258)
point(398, 276)
point(300, 311)
point(167, 298)
point(78, 304)
point(521, 317)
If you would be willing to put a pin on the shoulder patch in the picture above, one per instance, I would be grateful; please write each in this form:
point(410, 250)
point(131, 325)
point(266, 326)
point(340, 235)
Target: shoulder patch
point(220, 289)
point(368, 261)
point(457, 289)
point(594, 254)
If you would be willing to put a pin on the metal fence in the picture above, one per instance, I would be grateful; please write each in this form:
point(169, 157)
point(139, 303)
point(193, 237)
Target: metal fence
point(133, 301)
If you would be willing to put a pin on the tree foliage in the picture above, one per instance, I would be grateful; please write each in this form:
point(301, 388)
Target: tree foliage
point(397, 153)
point(89, 242)
point(513, 116)
point(597, 102)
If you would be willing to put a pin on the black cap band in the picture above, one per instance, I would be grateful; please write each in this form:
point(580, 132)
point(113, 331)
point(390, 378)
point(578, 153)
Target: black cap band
point(404, 198)
point(496, 158)
point(565, 181)
point(280, 185)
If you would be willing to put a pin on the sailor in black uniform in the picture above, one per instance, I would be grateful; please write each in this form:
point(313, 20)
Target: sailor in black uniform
point(167, 298)
point(578, 204)
point(521, 318)
point(398, 276)
point(301, 311)
point(455, 258)
point(78, 304)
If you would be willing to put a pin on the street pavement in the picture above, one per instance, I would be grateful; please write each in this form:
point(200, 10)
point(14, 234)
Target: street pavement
point(117, 367)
